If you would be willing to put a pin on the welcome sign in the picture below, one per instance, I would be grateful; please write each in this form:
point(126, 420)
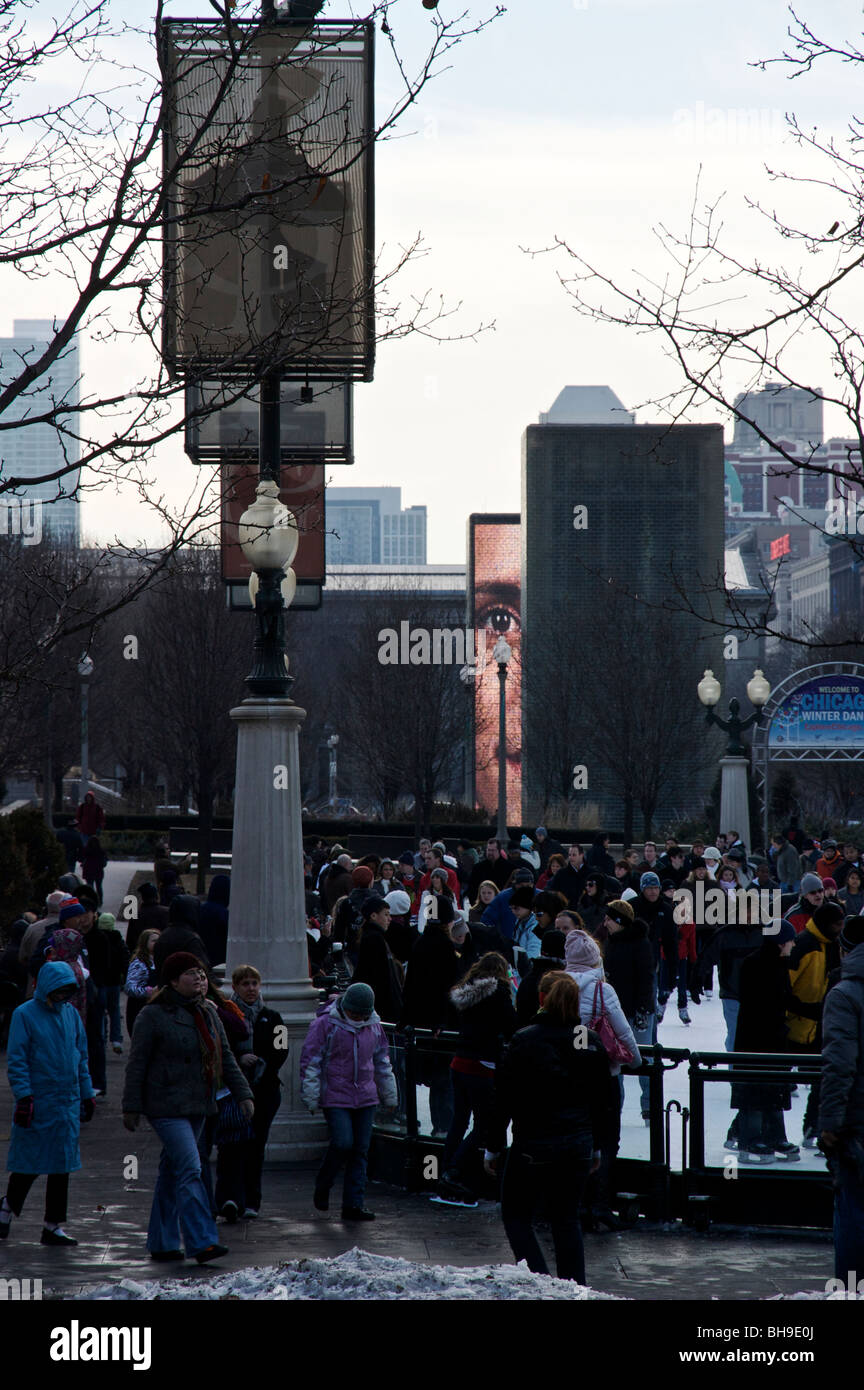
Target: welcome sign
point(823, 712)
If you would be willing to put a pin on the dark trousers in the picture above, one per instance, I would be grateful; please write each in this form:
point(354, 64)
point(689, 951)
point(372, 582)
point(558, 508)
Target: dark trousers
point(672, 974)
point(350, 1134)
point(560, 1184)
point(96, 1042)
point(56, 1194)
point(239, 1166)
point(472, 1097)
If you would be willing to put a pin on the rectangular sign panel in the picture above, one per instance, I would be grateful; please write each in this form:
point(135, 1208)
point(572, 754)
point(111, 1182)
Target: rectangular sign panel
point(302, 491)
point(315, 431)
point(269, 243)
point(494, 610)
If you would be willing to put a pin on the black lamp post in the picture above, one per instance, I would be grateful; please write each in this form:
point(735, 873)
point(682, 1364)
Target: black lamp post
point(502, 652)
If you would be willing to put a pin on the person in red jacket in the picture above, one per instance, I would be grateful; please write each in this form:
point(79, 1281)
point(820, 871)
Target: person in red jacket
point(676, 973)
point(435, 860)
point(90, 817)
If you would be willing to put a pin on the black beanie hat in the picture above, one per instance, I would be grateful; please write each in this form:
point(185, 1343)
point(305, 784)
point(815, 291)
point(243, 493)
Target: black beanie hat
point(523, 896)
point(852, 934)
point(828, 915)
point(552, 944)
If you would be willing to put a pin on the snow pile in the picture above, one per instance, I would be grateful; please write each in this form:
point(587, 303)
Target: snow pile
point(356, 1275)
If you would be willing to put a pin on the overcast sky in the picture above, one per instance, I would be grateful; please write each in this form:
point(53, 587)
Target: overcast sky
point(585, 121)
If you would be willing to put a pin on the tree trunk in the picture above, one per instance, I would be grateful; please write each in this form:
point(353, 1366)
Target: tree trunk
point(628, 821)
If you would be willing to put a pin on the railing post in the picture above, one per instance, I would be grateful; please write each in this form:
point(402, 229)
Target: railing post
point(697, 1113)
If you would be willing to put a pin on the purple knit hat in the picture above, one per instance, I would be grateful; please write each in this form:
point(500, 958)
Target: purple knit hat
point(581, 951)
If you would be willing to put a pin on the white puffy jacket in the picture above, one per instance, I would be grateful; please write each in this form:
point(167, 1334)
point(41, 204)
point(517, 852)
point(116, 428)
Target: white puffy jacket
point(586, 980)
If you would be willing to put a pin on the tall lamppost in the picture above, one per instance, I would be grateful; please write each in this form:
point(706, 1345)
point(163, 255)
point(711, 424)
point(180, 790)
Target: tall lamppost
point(332, 744)
point(85, 671)
point(501, 653)
point(734, 801)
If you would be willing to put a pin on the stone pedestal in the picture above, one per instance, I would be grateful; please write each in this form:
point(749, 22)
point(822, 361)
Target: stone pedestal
point(267, 920)
point(734, 802)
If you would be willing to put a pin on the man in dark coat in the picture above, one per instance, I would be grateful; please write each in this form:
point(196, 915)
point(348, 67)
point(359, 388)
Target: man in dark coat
point(598, 856)
point(546, 846)
point(494, 867)
point(181, 934)
point(152, 916)
point(571, 879)
point(73, 844)
point(765, 995)
point(376, 965)
point(433, 969)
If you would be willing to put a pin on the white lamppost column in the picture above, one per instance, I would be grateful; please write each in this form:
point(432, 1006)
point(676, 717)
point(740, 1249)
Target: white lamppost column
point(267, 924)
point(734, 801)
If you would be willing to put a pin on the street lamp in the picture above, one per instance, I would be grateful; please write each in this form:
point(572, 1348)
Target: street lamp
point(734, 801)
point(85, 671)
point(268, 537)
point(332, 743)
point(502, 652)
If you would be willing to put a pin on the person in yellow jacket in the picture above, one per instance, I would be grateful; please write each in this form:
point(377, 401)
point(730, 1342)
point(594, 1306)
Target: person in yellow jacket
point(814, 955)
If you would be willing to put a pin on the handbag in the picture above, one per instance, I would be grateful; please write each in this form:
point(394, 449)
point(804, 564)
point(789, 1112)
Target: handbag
point(615, 1050)
point(231, 1128)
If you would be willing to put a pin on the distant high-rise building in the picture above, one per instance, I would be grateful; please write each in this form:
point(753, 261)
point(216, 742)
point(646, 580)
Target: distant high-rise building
point(367, 526)
point(32, 451)
point(615, 515)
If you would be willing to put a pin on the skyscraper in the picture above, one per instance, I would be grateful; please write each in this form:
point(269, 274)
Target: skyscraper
point(622, 530)
point(367, 526)
point(32, 451)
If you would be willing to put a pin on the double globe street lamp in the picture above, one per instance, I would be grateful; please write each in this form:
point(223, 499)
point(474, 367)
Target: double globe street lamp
point(734, 765)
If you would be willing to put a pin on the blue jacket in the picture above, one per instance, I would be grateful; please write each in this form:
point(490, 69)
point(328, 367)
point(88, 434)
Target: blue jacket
point(47, 1059)
point(500, 914)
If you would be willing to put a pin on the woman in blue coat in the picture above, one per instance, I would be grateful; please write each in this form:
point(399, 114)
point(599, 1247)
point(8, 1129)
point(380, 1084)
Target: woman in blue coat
point(47, 1067)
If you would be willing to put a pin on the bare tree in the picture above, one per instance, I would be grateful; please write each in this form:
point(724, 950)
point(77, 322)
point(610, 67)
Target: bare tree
point(87, 205)
point(729, 323)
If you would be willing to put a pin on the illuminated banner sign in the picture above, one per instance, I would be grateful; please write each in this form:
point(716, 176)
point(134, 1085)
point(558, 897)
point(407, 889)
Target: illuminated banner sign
point(780, 547)
point(823, 712)
point(495, 610)
point(267, 157)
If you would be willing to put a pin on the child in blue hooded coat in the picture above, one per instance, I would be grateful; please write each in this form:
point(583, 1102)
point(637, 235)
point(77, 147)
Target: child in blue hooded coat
point(47, 1068)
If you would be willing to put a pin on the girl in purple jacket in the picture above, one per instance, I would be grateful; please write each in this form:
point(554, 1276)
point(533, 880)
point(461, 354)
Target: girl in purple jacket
point(344, 1071)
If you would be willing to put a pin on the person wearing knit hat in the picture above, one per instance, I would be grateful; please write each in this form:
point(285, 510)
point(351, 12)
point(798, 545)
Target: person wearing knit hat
point(69, 911)
point(401, 936)
point(180, 1060)
point(812, 895)
point(581, 952)
point(529, 854)
point(345, 1071)
point(649, 880)
point(114, 968)
point(813, 954)
point(620, 911)
point(526, 941)
point(362, 876)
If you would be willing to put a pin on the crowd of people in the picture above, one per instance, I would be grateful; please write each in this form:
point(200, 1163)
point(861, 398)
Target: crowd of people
point(549, 966)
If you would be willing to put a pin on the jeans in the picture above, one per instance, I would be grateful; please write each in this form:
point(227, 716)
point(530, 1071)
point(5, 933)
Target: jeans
point(472, 1097)
point(56, 1195)
point(350, 1133)
point(647, 1036)
point(96, 1042)
point(180, 1200)
point(761, 1127)
point(239, 1166)
point(560, 1183)
point(730, 1014)
point(109, 1002)
point(848, 1222)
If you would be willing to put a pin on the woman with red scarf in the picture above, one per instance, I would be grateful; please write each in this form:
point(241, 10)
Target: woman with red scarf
point(180, 1060)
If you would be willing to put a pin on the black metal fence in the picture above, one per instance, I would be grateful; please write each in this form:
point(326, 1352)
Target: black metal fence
point(709, 1186)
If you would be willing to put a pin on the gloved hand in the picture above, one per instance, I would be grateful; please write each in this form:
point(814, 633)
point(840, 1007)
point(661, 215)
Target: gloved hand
point(640, 1021)
point(88, 1110)
point(248, 1059)
point(131, 1121)
point(247, 1109)
point(24, 1113)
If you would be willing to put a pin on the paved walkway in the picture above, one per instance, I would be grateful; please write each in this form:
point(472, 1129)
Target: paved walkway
point(110, 1201)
